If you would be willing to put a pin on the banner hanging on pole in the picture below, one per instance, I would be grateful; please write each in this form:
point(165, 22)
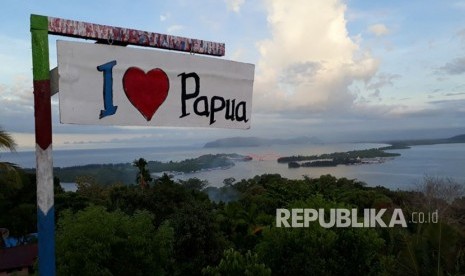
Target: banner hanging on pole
point(147, 88)
point(114, 85)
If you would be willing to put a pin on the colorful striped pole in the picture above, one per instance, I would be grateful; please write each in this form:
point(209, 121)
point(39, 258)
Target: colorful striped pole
point(43, 134)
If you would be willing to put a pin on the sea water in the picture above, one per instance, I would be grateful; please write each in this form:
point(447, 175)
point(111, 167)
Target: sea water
point(403, 172)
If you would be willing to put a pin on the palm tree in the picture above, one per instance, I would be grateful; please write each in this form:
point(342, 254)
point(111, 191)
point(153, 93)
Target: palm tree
point(7, 143)
point(143, 177)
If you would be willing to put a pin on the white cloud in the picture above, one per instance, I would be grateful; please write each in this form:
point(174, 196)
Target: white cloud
point(237, 54)
point(378, 29)
point(174, 28)
point(17, 96)
point(382, 80)
point(17, 99)
point(234, 5)
point(165, 16)
point(310, 61)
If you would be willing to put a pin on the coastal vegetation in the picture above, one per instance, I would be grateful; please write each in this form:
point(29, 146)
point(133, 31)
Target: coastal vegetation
point(203, 162)
point(336, 158)
point(108, 174)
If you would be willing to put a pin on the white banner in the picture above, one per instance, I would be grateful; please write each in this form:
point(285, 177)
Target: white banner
point(114, 85)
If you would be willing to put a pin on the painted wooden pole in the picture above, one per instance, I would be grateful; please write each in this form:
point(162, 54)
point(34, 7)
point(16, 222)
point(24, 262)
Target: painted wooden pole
point(43, 134)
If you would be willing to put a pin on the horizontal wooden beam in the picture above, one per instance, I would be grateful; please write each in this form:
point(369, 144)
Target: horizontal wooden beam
point(125, 36)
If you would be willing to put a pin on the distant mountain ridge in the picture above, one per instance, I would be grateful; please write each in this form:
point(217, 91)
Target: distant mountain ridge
point(407, 143)
point(458, 138)
point(256, 142)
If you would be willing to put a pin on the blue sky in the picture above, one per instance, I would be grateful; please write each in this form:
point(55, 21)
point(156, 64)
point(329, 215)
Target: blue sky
point(337, 70)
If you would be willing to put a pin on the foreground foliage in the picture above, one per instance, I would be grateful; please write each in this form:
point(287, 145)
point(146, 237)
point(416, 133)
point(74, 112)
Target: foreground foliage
point(94, 241)
point(174, 228)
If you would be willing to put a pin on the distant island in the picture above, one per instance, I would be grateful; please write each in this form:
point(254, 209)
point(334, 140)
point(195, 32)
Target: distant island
point(368, 156)
point(257, 142)
point(203, 162)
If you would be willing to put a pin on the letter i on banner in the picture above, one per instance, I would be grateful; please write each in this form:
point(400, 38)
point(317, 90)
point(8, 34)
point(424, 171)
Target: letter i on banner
point(109, 108)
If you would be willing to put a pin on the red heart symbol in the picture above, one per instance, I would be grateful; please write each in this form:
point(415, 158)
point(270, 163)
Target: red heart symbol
point(146, 92)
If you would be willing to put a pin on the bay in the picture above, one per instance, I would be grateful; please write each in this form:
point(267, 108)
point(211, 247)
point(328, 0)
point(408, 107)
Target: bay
point(404, 172)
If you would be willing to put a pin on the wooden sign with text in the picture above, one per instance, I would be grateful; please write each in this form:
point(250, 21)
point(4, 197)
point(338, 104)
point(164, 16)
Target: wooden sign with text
point(113, 85)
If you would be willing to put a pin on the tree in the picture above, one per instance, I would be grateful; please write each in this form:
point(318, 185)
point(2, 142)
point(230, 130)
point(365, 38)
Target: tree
point(437, 194)
point(88, 187)
point(97, 242)
point(436, 246)
point(9, 169)
point(18, 205)
point(143, 177)
point(10, 184)
point(198, 241)
point(194, 184)
point(234, 263)
point(315, 250)
point(6, 141)
point(435, 249)
point(229, 182)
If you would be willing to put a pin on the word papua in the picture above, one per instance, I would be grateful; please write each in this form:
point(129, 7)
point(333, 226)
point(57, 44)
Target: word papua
point(202, 106)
